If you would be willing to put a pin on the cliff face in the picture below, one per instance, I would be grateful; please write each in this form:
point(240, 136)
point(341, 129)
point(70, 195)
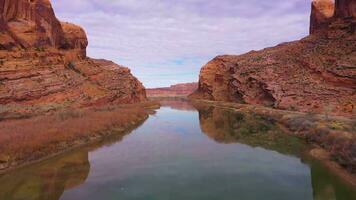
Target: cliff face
point(43, 60)
point(183, 89)
point(345, 8)
point(322, 11)
point(30, 23)
point(316, 73)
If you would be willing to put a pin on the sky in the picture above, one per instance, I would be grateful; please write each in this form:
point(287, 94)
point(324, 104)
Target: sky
point(165, 42)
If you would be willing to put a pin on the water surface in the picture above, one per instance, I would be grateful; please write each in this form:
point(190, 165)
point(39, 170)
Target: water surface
point(184, 151)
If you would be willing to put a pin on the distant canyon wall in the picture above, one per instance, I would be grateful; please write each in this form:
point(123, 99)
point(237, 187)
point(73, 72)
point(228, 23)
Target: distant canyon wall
point(183, 89)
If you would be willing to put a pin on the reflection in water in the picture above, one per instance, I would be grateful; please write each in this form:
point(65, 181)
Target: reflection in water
point(326, 186)
point(170, 157)
point(47, 180)
point(227, 126)
point(176, 103)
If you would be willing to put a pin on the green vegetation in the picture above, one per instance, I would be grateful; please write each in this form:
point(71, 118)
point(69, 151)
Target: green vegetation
point(71, 65)
point(39, 49)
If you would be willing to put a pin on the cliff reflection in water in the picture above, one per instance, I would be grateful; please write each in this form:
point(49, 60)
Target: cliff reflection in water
point(48, 180)
point(228, 126)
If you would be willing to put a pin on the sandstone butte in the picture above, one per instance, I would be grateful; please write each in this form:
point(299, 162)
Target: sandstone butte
point(178, 90)
point(43, 60)
point(314, 74)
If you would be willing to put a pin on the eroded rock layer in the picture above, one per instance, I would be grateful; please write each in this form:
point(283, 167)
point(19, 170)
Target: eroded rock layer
point(43, 60)
point(317, 73)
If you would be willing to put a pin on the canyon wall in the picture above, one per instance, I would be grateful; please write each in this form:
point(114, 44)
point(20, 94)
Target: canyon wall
point(183, 90)
point(322, 11)
point(315, 74)
point(43, 60)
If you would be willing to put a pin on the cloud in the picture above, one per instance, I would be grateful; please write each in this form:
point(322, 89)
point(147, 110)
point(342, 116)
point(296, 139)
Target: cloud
point(167, 41)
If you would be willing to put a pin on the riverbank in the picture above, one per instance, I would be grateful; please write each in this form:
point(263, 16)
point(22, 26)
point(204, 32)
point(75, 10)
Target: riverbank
point(26, 139)
point(333, 138)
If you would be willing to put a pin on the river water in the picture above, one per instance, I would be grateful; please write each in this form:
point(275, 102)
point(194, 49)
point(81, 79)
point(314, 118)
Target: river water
point(183, 151)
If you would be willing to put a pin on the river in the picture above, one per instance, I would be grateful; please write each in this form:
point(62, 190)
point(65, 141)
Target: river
point(184, 151)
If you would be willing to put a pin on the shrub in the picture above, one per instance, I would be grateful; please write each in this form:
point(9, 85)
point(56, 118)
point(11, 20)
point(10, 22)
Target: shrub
point(292, 108)
point(70, 114)
point(71, 65)
point(39, 49)
point(335, 125)
point(300, 123)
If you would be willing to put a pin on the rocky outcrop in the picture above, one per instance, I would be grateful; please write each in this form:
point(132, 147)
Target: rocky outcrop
point(30, 23)
point(183, 89)
point(75, 38)
point(322, 11)
point(315, 74)
point(43, 60)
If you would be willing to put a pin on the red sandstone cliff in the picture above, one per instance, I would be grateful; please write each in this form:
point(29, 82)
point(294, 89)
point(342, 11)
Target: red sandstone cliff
point(43, 60)
point(183, 89)
point(317, 73)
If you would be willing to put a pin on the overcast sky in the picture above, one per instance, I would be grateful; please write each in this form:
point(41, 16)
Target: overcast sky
point(167, 41)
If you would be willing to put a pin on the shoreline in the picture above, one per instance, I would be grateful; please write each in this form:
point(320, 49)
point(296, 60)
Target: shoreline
point(131, 117)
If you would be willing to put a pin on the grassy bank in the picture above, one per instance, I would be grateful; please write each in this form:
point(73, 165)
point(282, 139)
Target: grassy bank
point(32, 138)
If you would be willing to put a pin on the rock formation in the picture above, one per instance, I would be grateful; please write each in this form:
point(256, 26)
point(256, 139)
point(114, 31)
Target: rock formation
point(322, 11)
point(183, 89)
point(30, 23)
point(43, 60)
point(316, 74)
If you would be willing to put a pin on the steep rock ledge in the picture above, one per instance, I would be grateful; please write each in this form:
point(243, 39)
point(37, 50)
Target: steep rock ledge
point(43, 60)
point(315, 74)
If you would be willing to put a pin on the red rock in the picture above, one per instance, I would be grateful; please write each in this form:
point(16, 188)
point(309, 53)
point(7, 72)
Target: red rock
point(75, 38)
point(315, 74)
point(43, 60)
point(183, 89)
point(345, 8)
point(322, 11)
point(31, 23)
